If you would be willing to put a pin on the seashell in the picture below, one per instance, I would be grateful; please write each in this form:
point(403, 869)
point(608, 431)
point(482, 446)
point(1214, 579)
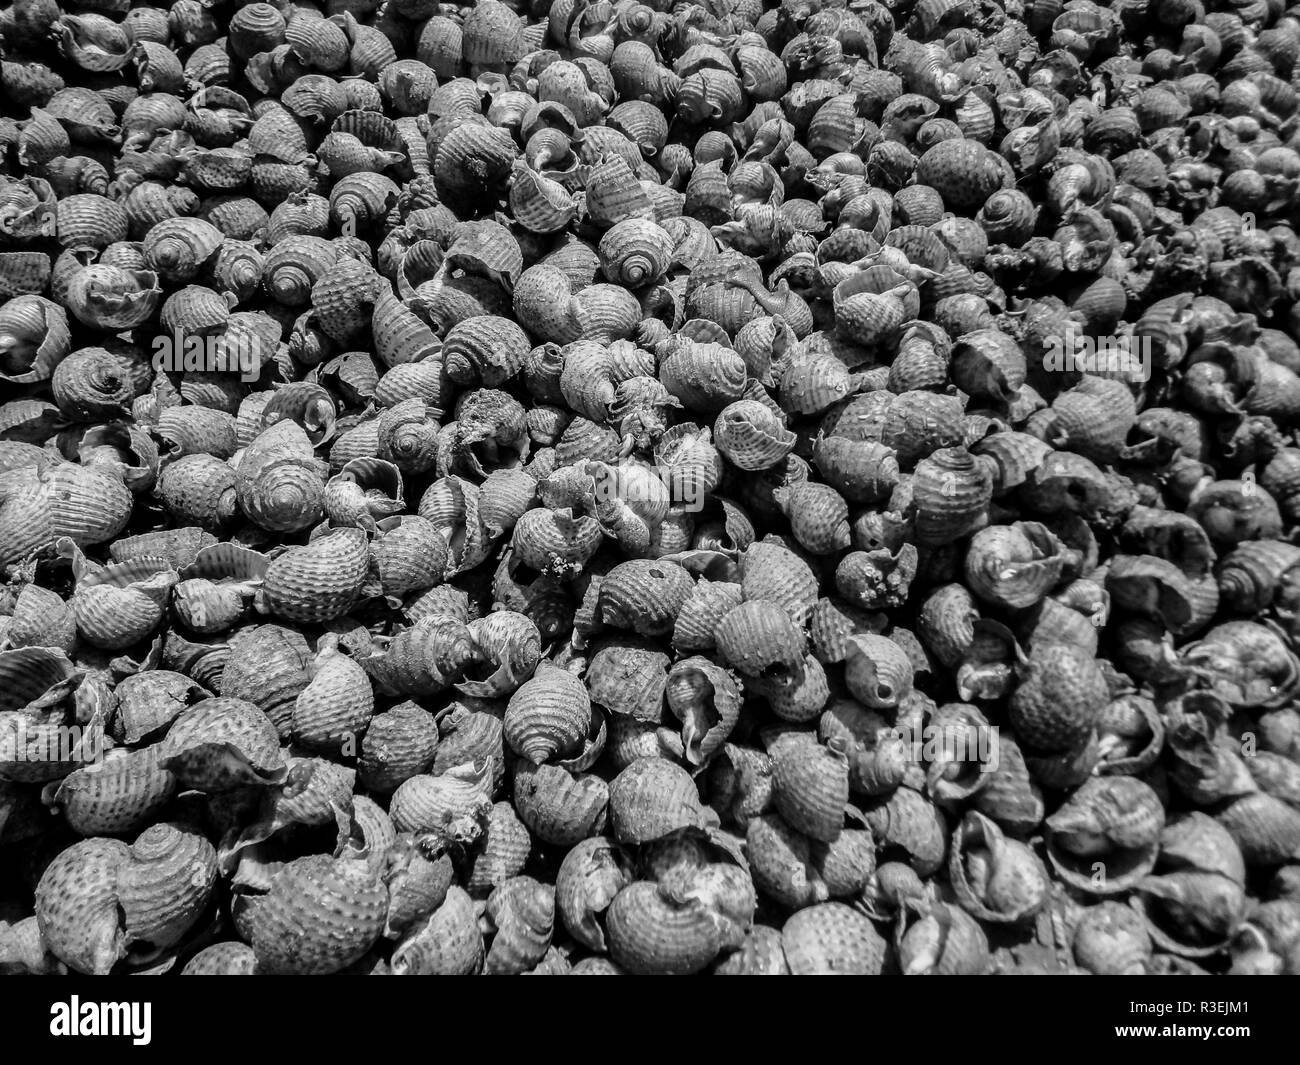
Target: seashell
point(750, 436)
point(336, 704)
point(77, 908)
point(223, 743)
point(453, 804)
point(651, 798)
point(485, 349)
point(1248, 664)
point(590, 877)
point(877, 671)
point(120, 795)
point(1264, 828)
point(636, 252)
point(644, 595)
point(1013, 566)
point(811, 788)
point(707, 701)
point(1105, 838)
point(120, 604)
point(1196, 902)
point(943, 940)
point(329, 910)
point(538, 203)
point(399, 743)
point(222, 959)
point(651, 932)
point(502, 851)
point(1110, 939)
point(559, 807)
point(759, 639)
point(996, 879)
point(447, 943)
point(471, 159)
point(522, 911)
point(906, 819)
point(548, 716)
point(832, 938)
point(165, 885)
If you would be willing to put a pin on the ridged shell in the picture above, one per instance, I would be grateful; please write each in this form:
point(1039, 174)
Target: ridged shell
point(548, 716)
point(651, 798)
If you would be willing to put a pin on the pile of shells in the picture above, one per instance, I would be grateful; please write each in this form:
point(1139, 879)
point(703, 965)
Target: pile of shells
point(602, 486)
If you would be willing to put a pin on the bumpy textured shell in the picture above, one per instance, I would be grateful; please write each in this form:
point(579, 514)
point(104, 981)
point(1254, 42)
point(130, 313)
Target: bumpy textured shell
point(751, 436)
point(319, 915)
point(448, 943)
point(120, 795)
point(223, 743)
point(77, 906)
point(548, 716)
point(1105, 838)
point(832, 939)
point(811, 788)
point(1057, 702)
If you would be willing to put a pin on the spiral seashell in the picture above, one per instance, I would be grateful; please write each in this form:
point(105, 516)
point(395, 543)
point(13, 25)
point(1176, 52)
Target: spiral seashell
point(120, 795)
point(34, 338)
point(484, 349)
point(43, 504)
point(996, 879)
point(165, 886)
point(336, 704)
point(636, 252)
point(522, 912)
point(811, 788)
point(651, 932)
point(1248, 664)
point(706, 700)
point(548, 716)
point(1264, 827)
point(750, 436)
point(943, 940)
point(1110, 939)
